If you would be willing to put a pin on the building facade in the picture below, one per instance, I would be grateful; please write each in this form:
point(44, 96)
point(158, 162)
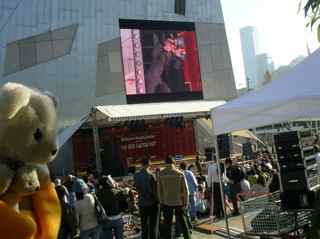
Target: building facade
point(72, 48)
point(250, 48)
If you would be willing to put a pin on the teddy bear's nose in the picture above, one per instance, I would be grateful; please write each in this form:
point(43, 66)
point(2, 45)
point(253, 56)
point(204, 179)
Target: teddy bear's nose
point(53, 152)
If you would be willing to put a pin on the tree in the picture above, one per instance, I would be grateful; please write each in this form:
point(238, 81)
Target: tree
point(312, 12)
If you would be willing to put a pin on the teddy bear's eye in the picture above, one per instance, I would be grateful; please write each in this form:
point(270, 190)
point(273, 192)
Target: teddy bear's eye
point(37, 135)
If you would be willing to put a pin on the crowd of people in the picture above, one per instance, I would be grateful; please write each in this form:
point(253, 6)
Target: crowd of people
point(157, 195)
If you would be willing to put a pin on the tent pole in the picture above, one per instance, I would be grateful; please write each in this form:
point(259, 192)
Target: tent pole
point(96, 141)
point(215, 138)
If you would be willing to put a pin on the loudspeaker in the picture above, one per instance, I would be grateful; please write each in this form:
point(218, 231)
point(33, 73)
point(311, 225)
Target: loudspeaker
point(208, 153)
point(247, 150)
point(224, 145)
point(293, 178)
point(286, 138)
point(298, 169)
point(303, 199)
point(287, 146)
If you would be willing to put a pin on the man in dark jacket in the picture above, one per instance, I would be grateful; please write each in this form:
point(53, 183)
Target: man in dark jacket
point(148, 203)
point(235, 175)
point(110, 197)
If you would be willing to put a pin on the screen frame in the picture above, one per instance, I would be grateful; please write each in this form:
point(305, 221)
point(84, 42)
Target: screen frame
point(160, 25)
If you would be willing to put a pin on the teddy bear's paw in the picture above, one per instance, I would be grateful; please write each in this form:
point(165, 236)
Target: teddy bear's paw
point(26, 181)
point(43, 174)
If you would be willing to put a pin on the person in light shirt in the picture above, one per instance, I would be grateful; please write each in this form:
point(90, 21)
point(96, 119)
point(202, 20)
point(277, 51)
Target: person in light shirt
point(192, 188)
point(214, 186)
point(85, 207)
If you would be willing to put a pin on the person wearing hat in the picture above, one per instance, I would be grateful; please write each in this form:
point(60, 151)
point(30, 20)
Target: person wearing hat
point(85, 207)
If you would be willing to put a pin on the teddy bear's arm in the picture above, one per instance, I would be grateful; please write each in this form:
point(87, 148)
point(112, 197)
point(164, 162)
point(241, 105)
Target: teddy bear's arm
point(15, 225)
point(47, 212)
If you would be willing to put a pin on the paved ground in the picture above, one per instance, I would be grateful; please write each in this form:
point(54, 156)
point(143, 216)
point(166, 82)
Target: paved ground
point(198, 235)
point(235, 226)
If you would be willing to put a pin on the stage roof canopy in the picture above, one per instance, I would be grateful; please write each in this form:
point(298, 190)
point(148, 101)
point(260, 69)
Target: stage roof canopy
point(187, 109)
point(109, 114)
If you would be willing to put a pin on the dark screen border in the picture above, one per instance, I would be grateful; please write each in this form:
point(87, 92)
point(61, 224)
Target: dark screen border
point(167, 97)
point(156, 25)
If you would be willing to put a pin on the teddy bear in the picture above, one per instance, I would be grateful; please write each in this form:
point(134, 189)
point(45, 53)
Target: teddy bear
point(28, 128)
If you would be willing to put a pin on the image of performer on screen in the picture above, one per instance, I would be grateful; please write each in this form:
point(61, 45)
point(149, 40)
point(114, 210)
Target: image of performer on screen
point(153, 79)
point(173, 75)
point(166, 73)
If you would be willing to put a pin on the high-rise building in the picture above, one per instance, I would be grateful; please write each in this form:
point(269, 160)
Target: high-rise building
point(250, 48)
point(265, 66)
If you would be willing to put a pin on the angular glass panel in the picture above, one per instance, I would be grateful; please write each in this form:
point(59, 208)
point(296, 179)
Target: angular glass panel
point(12, 63)
point(44, 47)
point(27, 52)
point(62, 40)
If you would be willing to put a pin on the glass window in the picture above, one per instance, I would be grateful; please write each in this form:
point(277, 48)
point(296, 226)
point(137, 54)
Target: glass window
point(12, 62)
point(44, 47)
point(38, 49)
point(27, 52)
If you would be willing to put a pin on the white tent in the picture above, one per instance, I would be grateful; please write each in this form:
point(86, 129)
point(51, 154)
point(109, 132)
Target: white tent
point(296, 95)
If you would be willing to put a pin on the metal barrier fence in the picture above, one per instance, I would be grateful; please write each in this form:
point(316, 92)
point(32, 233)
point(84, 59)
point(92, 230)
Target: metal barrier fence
point(262, 216)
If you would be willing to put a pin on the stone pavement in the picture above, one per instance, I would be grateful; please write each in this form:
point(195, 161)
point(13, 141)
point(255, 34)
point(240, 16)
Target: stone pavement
point(198, 235)
point(235, 225)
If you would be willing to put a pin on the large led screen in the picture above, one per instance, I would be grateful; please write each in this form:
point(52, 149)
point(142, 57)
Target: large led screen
point(160, 61)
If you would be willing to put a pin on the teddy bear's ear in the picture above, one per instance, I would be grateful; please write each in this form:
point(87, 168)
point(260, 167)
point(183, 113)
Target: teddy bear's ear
point(52, 97)
point(13, 97)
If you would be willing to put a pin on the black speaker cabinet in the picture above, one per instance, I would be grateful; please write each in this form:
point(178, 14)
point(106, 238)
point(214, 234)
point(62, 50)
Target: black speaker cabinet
point(247, 150)
point(292, 200)
point(293, 178)
point(286, 138)
point(224, 145)
point(208, 153)
point(298, 168)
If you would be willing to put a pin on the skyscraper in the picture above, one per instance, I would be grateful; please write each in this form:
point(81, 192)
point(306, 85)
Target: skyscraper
point(250, 47)
point(264, 64)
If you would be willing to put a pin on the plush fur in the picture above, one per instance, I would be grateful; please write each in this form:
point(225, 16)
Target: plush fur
point(29, 204)
point(28, 126)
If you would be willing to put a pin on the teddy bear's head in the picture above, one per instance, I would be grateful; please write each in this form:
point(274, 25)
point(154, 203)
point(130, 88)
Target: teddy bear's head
point(28, 124)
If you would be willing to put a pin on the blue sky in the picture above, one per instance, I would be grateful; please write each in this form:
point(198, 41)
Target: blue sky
point(282, 31)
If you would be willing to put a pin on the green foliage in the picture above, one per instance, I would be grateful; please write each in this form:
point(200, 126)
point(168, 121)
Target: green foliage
point(312, 13)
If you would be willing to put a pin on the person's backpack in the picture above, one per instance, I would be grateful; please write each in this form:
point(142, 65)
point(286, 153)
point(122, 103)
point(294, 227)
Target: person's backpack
point(100, 211)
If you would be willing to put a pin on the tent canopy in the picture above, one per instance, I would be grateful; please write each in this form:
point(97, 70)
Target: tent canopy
point(187, 109)
point(295, 95)
point(240, 133)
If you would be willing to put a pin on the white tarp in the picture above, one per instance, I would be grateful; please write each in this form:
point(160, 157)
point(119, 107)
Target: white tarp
point(295, 95)
point(156, 110)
